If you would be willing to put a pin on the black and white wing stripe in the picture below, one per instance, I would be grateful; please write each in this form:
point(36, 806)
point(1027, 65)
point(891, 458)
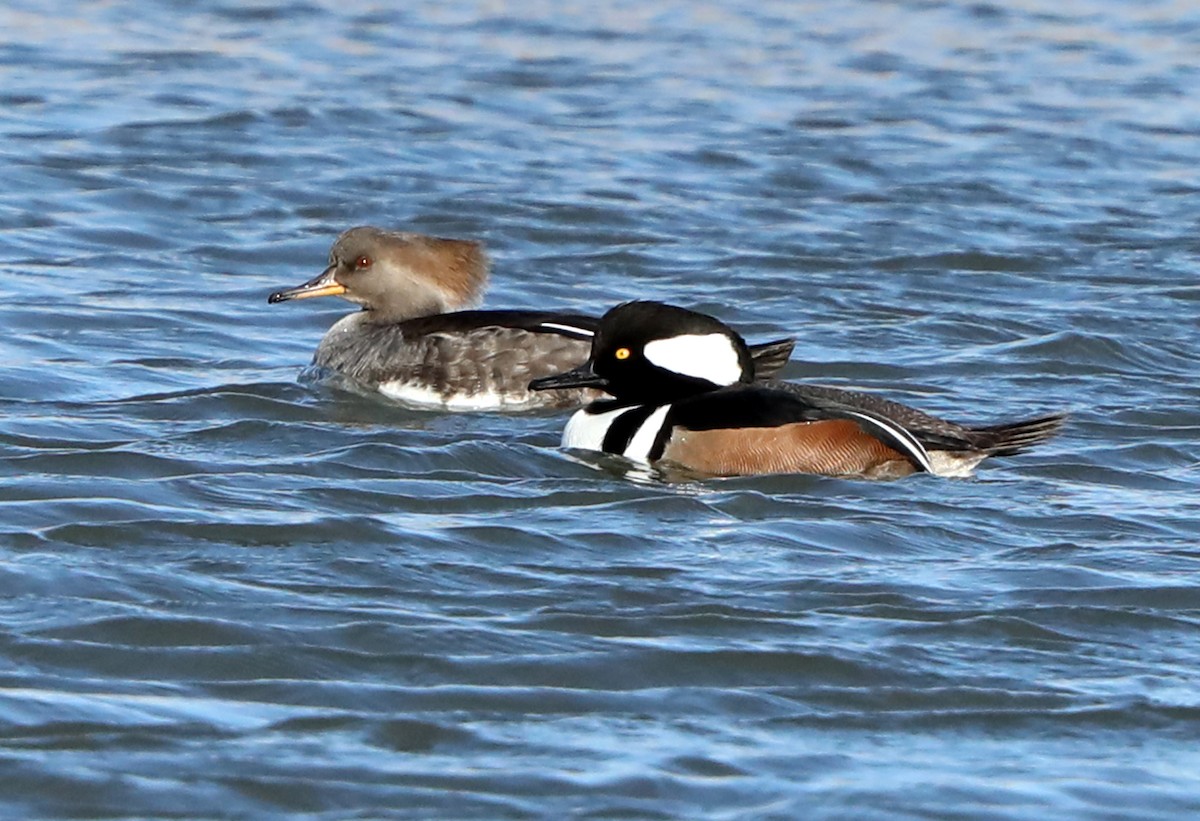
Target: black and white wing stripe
point(567, 330)
point(893, 435)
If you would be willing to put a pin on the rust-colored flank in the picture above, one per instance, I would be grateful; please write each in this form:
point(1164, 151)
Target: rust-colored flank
point(835, 447)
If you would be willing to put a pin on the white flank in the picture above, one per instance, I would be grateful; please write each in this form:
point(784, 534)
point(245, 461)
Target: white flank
point(570, 329)
point(423, 397)
point(711, 357)
point(586, 430)
point(643, 441)
point(955, 465)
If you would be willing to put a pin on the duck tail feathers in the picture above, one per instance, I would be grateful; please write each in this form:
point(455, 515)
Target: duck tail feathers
point(1013, 437)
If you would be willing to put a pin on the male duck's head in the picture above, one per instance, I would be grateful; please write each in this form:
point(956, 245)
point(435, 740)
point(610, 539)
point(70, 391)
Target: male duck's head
point(651, 352)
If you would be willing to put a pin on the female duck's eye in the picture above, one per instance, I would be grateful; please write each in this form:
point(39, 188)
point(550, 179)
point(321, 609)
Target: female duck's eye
point(363, 262)
point(622, 353)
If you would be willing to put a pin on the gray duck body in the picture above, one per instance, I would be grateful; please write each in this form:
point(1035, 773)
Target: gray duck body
point(468, 360)
point(413, 340)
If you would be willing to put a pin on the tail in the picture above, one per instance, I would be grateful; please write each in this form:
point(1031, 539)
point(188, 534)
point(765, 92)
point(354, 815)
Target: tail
point(770, 357)
point(1014, 437)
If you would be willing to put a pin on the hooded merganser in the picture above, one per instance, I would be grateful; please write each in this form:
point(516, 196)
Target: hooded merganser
point(684, 395)
point(413, 342)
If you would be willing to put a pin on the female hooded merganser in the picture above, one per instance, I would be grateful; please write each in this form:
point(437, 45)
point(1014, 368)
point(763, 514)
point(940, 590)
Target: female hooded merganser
point(684, 395)
point(413, 342)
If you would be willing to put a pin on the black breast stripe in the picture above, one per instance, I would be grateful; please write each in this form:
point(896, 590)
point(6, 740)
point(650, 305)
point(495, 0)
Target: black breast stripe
point(661, 438)
point(622, 430)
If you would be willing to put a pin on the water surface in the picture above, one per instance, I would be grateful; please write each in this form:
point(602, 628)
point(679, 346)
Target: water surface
point(229, 592)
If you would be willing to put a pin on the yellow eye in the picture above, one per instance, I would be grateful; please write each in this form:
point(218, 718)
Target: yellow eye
point(622, 353)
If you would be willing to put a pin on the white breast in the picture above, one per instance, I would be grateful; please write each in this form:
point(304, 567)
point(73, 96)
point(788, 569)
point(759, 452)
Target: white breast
point(586, 431)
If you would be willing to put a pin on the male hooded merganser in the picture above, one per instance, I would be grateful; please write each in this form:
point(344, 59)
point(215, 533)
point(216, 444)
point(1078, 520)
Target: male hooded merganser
point(684, 395)
point(413, 342)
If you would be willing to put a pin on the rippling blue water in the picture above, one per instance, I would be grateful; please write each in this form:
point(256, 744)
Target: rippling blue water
point(225, 592)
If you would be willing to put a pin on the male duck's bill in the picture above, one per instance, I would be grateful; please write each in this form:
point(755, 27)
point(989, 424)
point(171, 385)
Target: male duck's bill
point(581, 377)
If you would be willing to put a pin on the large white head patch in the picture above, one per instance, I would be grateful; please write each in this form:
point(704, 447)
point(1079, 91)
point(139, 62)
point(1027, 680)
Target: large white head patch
point(712, 357)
